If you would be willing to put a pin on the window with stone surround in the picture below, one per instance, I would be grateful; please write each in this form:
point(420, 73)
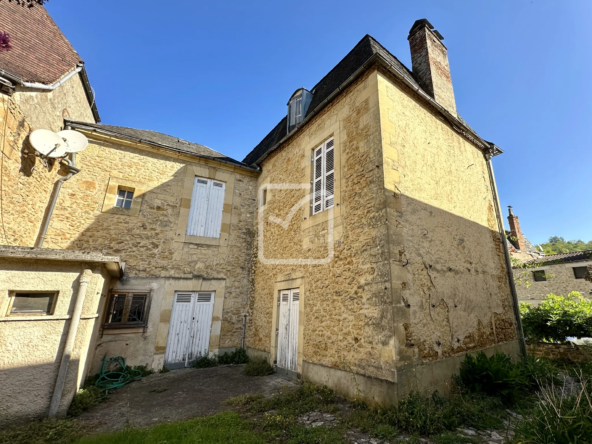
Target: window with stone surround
point(580, 272)
point(127, 309)
point(323, 171)
point(539, 276)
point(207, 204)
point(32, 303)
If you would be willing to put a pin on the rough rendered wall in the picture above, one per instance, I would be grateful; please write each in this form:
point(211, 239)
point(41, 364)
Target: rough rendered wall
point(148, 241)
point(345, 309)
point(560, 280)
point(47, 109)
point(30, 347)
point(26, 183)
point(450, 284)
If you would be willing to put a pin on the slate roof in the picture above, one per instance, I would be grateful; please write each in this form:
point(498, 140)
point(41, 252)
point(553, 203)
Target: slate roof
point(562, 258)
point(40, 52)
point(530, 248)
point(366, 48)
point(159, 139)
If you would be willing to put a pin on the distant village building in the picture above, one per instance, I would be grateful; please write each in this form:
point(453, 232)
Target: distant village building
point(541, 275)
point(360, 240)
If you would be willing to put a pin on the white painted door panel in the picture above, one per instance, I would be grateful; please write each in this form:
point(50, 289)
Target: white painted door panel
point(189, 330)
point(288, 330)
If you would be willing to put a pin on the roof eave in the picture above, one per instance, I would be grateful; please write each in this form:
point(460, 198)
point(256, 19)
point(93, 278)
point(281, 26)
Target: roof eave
point(459, 126)
point(92, 129)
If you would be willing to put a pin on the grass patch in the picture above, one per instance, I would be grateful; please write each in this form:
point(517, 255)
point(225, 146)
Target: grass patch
point(258, 367)
point(42, 432)
point(222, 428)
point(205, 362)
point(239, 356)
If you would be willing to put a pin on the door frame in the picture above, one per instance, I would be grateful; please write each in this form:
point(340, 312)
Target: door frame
point(194, 303)
point(288, 283)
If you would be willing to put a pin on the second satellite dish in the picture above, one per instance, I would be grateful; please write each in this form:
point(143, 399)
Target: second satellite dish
point(73, 140)
point(47, 143)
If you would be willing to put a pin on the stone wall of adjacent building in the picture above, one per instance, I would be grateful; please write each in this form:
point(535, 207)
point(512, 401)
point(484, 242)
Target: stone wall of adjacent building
point(48, 109)
point(450, 286)
point(570, 352)
point(149, 240)
point(560, 281)
point(31, 346)
point(26, 181)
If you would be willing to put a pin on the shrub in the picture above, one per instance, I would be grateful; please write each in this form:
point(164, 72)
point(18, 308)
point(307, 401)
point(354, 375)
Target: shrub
point(557, 318)
point(258, 367)
point(84, 400)
point(563, 415)
point(495, 376)
point(205, 362)
point(239, 356)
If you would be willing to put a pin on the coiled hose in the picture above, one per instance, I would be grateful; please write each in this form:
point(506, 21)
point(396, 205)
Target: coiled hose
point(113, 379)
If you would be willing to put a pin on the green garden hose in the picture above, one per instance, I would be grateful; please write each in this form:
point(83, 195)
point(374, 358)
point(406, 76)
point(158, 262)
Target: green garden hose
point(123, 375)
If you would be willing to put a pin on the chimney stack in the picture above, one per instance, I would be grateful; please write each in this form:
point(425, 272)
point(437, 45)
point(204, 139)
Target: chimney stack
point(515, 230)
point(429, 59)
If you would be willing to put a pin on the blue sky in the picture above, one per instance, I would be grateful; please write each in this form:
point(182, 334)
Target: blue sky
point(220, 74)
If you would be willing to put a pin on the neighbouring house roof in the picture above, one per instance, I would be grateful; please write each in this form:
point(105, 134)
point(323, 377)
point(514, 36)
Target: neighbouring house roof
point(530, 248)
point(562, 258)
point(40, 52)
point(354, 63)
point(158, 139)
point(113, 264)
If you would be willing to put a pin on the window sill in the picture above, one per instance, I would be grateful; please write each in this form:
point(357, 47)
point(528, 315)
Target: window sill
point(43, 318)
point(122, 330)
point(202, 240)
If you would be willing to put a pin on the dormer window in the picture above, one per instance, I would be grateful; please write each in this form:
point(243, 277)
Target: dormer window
point(297, 107)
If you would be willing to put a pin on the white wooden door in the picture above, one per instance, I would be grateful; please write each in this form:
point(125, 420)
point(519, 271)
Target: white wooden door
point(190, 327)
point(287, 357)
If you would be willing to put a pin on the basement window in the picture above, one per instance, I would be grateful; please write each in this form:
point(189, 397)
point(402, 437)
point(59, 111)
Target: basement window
point(580, 272)
point(539, 276)
point(125, 197)
point(36, 304)
point(127, 310)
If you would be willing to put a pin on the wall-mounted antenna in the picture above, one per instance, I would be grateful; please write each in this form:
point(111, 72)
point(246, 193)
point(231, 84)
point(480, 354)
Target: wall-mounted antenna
point(74, 141)
point(47, 143)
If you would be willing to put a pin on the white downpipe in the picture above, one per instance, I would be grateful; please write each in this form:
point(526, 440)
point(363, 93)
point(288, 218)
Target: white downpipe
point(69, 346)
point(53, 85)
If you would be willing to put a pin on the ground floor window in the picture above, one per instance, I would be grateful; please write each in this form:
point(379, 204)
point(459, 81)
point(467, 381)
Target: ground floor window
point(127, 309)
point(28, 303)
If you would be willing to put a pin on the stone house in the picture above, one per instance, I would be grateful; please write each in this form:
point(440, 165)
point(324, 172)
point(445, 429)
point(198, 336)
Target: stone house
point(360, 241)
point(156, 227)
point(559, 274)
point(381, 256)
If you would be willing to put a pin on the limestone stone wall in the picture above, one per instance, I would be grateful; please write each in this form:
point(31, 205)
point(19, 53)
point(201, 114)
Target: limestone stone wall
point(149, 240)
point(47, 109)
point(26, 181)
point(345, 311)
point(450, 285)
point(560, 281)
point(30, 346)
point(572, 352)
point(418, 272)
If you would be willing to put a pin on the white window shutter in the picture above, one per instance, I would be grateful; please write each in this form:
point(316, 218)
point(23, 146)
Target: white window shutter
point(199, 205)
point(329, 174)
point(317, 200)
point(215, 209)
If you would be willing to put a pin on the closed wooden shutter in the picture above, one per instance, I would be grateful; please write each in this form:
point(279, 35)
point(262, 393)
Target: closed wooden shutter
point(215, 208)
point(207, 205)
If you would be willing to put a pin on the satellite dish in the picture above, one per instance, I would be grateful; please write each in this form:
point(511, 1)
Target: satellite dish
point(47, 143)
point(74, 141)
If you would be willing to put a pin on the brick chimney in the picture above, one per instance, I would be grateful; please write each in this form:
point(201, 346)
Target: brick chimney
point(429, 59)
point(515, 230)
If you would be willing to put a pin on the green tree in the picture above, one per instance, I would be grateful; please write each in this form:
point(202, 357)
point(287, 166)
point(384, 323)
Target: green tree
point(557, 245)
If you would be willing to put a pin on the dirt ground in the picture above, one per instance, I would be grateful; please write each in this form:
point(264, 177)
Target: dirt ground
point(176, 395)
